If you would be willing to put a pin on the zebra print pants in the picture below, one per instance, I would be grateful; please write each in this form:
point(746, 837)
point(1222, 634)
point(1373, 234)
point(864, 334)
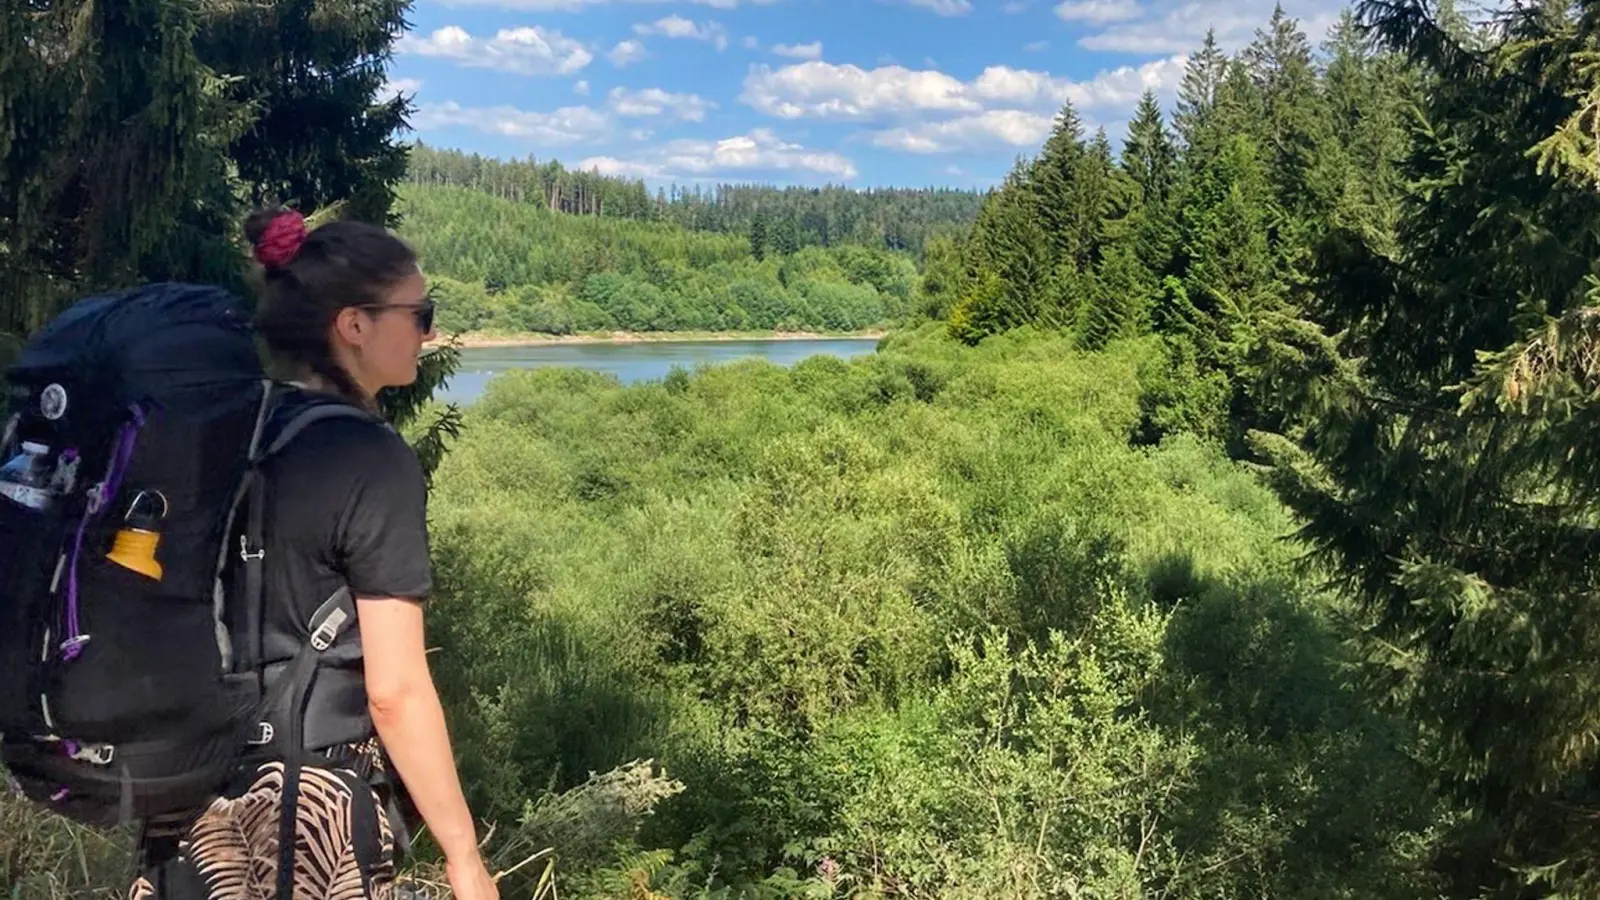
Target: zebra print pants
point(344, 843)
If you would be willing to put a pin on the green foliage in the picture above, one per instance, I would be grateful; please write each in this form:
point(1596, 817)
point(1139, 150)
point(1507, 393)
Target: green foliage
point(46, 857)
point(989, 613)
point(1436, 438)
point(312, 73)
point(1206, 239)
point(775, 220)
point(562, 274)
point(112, 130)
point(922, 623)
point(134, 134)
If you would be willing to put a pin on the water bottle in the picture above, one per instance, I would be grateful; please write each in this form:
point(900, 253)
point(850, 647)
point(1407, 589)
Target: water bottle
point(26, 478)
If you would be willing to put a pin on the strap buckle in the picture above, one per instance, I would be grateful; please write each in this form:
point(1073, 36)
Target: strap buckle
point(94, 754)
point(264, 734)
point(244, 551)
point(325, 634)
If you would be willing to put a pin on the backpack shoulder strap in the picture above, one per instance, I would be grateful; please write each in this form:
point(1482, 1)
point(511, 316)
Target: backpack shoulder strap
point(306, 414)
point(268, 442)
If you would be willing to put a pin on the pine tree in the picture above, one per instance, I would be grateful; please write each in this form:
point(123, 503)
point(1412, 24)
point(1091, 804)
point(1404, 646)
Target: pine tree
point(1149, 156)
point(758, 238)
point(1057, 177)
point(1440, 449)
point(1197, 96)
point(109, 134)
point(1294, 134)
point(1009, 265)
point(313, 71)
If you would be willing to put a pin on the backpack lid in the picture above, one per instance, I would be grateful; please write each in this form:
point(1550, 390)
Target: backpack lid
point(179, 346)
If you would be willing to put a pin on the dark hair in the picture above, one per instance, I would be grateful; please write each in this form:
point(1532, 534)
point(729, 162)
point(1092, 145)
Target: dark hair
point(309, 278)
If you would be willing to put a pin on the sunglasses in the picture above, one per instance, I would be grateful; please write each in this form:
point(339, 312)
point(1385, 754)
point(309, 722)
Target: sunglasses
point(422, 312)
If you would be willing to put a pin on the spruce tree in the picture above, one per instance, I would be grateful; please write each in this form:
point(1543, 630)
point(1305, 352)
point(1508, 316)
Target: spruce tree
point(1293, 133)
point(1150, 161)
point(758, 238)
point(1366, 94)
point(1197, 96)
point(1009, 265)
point(1440, 449)
point(1119, 302)
point(313, 72)
point(110, 132)
point(1149, 156)
point(1058, 177)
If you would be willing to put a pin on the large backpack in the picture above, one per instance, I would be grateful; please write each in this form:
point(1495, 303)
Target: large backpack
point(121, 694)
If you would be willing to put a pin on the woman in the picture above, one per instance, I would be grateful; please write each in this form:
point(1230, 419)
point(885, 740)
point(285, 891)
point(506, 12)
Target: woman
point(345, 311)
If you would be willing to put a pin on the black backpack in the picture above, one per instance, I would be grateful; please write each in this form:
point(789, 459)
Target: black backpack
point(120, 695)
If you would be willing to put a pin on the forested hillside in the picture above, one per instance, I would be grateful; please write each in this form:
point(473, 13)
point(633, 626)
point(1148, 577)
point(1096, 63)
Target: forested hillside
point(500, 265)
point(777, 219)
point(1206, 227)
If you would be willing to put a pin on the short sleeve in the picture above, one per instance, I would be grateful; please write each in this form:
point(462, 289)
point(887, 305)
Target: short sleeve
point(383, 541)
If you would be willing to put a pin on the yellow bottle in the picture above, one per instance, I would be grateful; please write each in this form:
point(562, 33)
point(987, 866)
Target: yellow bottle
point(137, 540)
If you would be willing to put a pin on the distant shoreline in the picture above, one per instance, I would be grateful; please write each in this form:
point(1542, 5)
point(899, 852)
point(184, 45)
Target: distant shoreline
point(477, 341)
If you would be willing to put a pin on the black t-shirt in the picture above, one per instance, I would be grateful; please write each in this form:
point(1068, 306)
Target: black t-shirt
point(346, 504)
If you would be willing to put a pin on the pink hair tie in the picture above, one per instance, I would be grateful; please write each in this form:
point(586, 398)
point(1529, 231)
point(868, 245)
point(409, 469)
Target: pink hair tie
point(280, 242)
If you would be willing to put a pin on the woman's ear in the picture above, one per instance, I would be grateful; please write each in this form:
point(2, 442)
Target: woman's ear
point(350, 326)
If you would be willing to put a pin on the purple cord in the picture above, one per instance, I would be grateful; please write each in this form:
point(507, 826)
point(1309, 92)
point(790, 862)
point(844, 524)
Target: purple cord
point(73, 645)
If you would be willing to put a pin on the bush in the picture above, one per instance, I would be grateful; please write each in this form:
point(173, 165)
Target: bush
point(922, 623)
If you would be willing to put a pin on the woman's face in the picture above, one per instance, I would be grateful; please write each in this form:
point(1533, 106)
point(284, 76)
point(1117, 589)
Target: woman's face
point(386, 337)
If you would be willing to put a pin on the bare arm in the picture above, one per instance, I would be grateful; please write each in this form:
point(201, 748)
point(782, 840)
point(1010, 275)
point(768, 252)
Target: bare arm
point(410, 721)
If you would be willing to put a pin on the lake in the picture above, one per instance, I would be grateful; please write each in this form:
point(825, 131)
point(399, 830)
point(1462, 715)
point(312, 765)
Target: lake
point(634, 362)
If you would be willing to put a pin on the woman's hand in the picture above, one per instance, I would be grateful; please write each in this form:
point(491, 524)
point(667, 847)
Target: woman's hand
point(469, 879)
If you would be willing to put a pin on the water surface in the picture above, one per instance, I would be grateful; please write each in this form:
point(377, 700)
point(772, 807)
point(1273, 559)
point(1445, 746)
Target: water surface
point(634, 362)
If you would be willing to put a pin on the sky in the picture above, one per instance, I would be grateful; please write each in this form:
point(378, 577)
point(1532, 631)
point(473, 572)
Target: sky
point(863, 93)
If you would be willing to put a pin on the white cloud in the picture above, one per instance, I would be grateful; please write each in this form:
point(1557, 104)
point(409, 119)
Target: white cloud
point(397, 86)
point(1109, 89)
point(522, 51)
point(1035, 46)
point(759, 151)
point(823, 90)
point(565, 126)
point(577, 5)
point(827, 91)
point(1097, 11)
point(999, 127)
point(812, 50)
point(569, 125)
point(621, 168)
point(750, 42)
point(626, 53)
point(1178, 26)
point(943, 7)
point(675, 26)
point(581, 88)
point(657, 102)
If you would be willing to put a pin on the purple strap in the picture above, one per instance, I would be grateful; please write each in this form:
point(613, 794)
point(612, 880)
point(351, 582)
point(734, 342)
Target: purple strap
point(115, 470)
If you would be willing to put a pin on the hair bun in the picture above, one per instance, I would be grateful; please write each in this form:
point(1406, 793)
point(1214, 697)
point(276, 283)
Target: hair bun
point(279, 242)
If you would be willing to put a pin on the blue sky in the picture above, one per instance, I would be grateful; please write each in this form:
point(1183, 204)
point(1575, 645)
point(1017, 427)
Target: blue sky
point(864, 93)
